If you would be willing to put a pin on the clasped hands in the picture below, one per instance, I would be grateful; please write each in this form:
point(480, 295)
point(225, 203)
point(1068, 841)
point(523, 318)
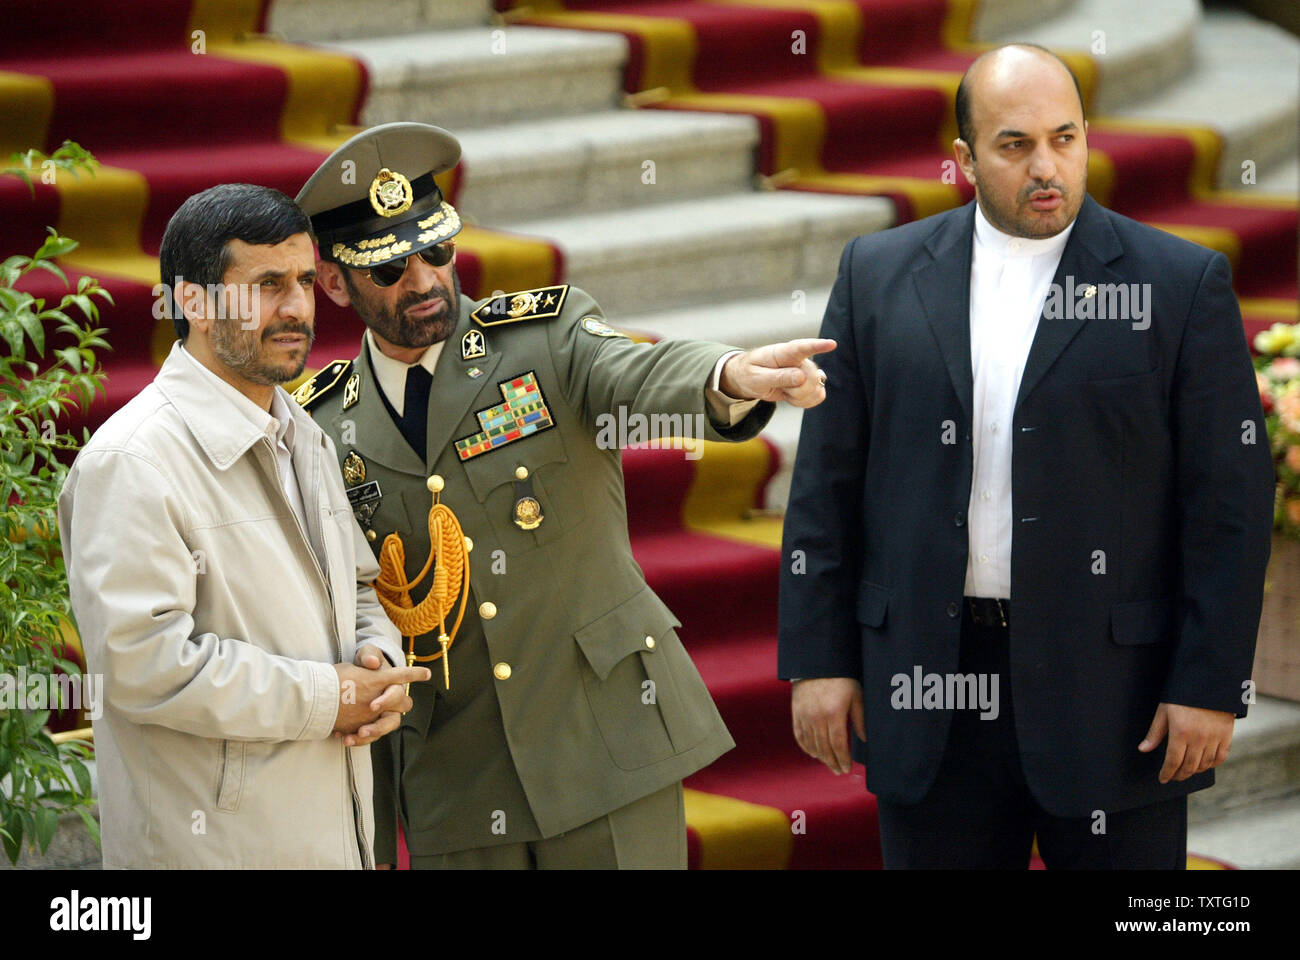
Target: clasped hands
point(822, 710)
point(373, 696)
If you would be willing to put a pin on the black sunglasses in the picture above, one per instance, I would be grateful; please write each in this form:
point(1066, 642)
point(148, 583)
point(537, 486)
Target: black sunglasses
point(387, 274)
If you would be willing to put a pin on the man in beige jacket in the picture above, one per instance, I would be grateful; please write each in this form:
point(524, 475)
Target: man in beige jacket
point(219, 579)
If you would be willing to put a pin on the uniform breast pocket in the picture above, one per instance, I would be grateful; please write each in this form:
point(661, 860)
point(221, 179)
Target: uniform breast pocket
point(522, 487)
point(645, 694)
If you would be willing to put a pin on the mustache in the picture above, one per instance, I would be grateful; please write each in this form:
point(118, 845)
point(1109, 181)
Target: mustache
point(1033, 188)
point(290, 328)
point(417, 299)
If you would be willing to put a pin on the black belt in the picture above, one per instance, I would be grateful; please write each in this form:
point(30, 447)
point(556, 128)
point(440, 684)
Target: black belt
point(988, 613)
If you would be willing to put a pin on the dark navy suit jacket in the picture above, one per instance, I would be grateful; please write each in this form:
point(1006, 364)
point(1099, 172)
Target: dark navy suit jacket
point(1131, 437)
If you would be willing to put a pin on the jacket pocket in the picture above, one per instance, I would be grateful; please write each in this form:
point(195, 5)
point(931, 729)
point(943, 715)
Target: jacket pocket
point(1142, 622)
point(230, 775)
point(1147, 380)
point(645, 695)
point(492, 477)
point(873, 602)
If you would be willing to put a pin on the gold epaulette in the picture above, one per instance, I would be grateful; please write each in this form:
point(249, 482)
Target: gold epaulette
point(329, 377)
point(536, 304)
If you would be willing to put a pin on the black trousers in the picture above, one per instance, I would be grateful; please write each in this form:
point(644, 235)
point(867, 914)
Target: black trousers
point(979, 814)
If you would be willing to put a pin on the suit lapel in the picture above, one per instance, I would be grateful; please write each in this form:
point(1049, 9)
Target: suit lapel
point(943, 285)
point(454, 390)
point(1091, 246)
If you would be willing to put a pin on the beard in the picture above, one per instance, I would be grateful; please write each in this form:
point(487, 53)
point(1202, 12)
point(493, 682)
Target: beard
point(241, 350)
point(1008, 218)
point(392, 322)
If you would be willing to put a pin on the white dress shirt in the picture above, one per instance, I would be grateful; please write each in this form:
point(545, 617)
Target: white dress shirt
point(391, 374)
point(1009, 281)
point(278, 425)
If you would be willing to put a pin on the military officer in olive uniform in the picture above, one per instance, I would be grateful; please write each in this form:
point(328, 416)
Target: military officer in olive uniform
point(569, 711)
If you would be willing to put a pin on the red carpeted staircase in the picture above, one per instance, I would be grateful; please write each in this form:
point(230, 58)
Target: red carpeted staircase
point(172, 97)
point(852, 97)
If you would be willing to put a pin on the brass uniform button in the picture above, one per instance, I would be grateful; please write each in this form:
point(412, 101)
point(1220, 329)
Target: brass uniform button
point(501, 671)
point(521, 473)
point(469, 544)
point(434, 483)
point(371, 535)
point(487, 610)
point(650, 643)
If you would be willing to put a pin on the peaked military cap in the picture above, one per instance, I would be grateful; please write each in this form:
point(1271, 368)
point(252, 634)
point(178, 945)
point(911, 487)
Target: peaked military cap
point(374, 199)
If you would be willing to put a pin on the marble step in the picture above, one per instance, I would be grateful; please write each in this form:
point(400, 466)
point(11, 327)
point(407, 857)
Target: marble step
point(750, 322)
point(1282, 178)
point(996, 17)
point(602, 161)
point(1262, 837)
point(708, 251)
point(1263, 764)
point(482, 76)
point(306, 21)
point(1243, 83)
point(1147, 45)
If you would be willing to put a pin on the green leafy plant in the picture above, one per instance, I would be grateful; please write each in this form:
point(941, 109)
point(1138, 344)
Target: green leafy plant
point(40, 780)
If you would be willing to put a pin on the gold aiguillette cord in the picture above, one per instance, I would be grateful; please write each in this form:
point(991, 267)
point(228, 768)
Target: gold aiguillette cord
point(449, 558)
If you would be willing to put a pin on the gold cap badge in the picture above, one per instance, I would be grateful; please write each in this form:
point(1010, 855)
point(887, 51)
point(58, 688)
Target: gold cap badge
point(390, 193)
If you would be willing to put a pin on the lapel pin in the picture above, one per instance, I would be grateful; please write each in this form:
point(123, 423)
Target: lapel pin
point(474, 373)
point(352, 390)
point(472, 346)
point(354, 468)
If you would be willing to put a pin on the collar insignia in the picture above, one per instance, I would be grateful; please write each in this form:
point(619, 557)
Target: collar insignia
point(472, 346)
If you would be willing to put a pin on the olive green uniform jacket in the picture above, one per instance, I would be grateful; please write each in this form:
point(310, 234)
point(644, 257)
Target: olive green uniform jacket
point(550, 722)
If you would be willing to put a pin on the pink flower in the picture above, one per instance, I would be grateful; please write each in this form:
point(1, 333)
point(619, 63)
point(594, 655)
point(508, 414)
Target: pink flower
point(1284, 368)
point(1288, 410)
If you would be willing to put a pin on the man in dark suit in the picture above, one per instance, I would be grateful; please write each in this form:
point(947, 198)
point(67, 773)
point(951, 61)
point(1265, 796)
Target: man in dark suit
point(1027, 533)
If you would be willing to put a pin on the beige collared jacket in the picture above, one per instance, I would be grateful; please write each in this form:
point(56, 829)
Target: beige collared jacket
point(215, 626)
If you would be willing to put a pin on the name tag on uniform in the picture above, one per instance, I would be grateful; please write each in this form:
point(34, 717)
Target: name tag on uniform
point(366, 493)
